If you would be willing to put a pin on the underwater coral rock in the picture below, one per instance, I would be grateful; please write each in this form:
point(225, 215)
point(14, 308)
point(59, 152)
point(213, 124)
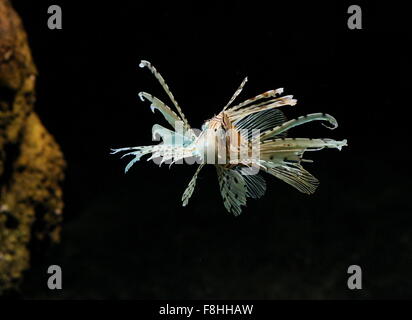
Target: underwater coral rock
point(31, 162)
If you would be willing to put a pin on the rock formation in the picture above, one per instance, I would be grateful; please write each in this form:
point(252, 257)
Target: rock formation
point(31, 162)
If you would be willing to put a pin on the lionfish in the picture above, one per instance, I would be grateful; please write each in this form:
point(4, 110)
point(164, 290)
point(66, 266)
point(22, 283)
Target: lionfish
point(242, 137)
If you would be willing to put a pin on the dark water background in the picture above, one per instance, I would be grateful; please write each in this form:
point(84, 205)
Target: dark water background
point(127, 236)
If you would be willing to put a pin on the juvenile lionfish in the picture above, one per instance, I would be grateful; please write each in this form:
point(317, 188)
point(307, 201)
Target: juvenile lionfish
point(239, 141)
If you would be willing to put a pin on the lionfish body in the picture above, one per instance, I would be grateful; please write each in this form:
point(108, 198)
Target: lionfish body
point(240, 141)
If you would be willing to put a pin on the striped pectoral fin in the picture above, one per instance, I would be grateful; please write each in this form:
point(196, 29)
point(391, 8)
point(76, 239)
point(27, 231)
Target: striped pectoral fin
point(299, 121)
point(257, 109)
point(137, 153)
point(168, 153)
point(265, 95)
point(191, 187)
point(117, 150)
point(253, 124)
point(318, 144)
point(276, 103)
point(255, 185)
point(280, 157)
point(296, 176)
point(158, 76)
point(232, 188)
point(302, 144)
point(156, 103)
point(237, 92)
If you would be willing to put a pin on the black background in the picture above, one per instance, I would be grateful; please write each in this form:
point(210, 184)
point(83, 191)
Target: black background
point(127, 236)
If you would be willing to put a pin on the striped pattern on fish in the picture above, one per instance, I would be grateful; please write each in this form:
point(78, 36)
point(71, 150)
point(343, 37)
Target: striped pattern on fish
point(240, 141)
